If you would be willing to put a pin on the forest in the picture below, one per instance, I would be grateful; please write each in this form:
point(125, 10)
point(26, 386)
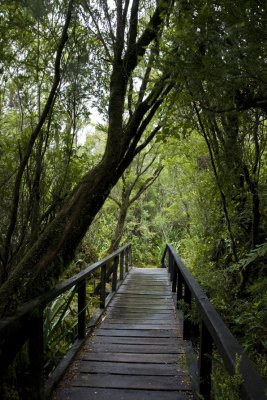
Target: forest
point(142, 122)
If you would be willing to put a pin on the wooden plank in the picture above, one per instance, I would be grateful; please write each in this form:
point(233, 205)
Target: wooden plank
point(150, 283)
point(131, 357)
point(143, 302)
point(137, 307)
point(140, 304)
point(134, 348)
point(148, 316)
point(150, 286)
point(139, 333)
point(148, 301)
point(146, 298)
point(106, 325)
point(130, 382)
point(146, 312)
point(139, 320)
point(144, 292)
point(145, 276)
point(115, 311)
point(129, 368)
point(138, 340)
point(79, 393)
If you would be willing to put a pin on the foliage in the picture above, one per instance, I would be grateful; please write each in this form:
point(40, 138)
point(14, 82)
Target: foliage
point(225, 386)
point(58, 328)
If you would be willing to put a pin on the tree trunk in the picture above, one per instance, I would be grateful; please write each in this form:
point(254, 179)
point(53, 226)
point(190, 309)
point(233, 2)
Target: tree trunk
point(43, 263)
point(115, 241)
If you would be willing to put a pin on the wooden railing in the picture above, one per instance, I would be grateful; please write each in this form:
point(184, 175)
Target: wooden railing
point(27, 323)
point(213, 332)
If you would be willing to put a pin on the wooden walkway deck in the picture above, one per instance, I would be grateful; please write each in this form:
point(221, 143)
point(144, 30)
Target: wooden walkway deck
point(137, 352)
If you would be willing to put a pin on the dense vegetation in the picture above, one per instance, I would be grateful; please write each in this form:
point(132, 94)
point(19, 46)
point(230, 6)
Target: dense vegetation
point(179, 156)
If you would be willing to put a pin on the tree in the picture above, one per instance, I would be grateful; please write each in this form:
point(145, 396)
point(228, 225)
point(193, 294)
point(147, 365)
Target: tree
point(131, 42)
point(141, 174)
point(215, 52)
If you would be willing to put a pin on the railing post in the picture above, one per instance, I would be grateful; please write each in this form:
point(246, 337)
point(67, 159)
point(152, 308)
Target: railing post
point(174, 275)
point(179, 286)
point(82, 309)
point(205, 362)
point(170, 265)
point(103, 286)
point(131, 256)
point(127, 259)
point(163, 258)
point(121, 265)
point(115, 274)
point(36, 354)
point(187, 323)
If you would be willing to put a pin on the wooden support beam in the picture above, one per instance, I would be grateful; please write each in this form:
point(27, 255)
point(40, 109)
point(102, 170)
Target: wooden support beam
point(36, 354)
point(103, 286)
point(82, 309)
point(115, 274)
point(205, 362)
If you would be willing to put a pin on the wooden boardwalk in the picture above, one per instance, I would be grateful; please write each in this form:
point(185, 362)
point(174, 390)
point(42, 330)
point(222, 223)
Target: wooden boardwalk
point(137, 352)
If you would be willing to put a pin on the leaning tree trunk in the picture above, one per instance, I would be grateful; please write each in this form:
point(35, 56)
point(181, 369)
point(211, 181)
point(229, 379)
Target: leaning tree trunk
point(44, 262)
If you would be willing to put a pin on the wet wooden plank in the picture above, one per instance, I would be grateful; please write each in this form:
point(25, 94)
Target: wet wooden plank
point(153, 287)
point(145, 312)
point(131, 357)
point(106, 325)
point(144, 320)
point(144, 292)
point(79, 393)
point(134, 348)
point(129, 368)
point(138, 340)
point(130, 382)
point(140, 320)
point(139, 333)
point(140, 307)
point(131, 316)
point(143, 303)
point(143, 298)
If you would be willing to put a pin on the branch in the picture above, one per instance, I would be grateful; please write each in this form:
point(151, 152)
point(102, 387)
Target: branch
point(156, 101)
point(148, 140)
point(125, 12)
point(133, 24)
point(120, 30)
point(137, 49)
point(143, 86)
point(106, 11)
point(99, 35)
point(146, 185)
point(115, 200)
point(130, 97)
point(140, 171)
point(151, 102)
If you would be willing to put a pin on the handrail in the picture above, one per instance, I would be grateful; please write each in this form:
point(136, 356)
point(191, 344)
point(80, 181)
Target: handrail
point(212, 331)
point(27, 322)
